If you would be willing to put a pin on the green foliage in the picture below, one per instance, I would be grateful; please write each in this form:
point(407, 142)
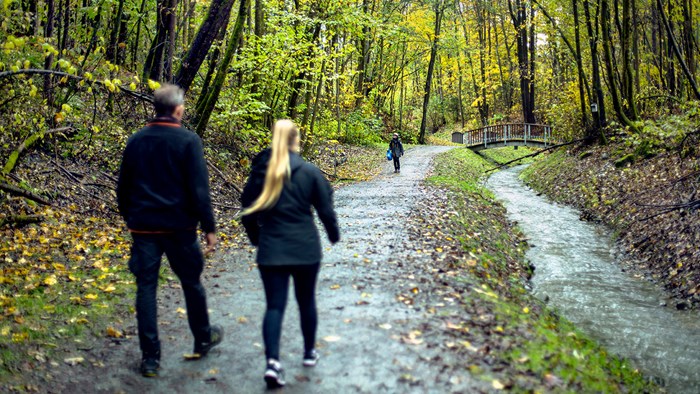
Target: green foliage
point(509, 153)
point(361, 130)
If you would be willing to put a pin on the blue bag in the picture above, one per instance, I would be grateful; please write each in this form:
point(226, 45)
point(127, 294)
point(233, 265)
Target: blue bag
point(388, 154)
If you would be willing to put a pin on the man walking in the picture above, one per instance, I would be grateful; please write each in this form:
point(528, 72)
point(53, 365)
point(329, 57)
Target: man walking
point(163, 193)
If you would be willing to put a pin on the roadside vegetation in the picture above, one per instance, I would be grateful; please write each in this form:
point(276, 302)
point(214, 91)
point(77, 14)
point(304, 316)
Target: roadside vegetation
point(534, 349)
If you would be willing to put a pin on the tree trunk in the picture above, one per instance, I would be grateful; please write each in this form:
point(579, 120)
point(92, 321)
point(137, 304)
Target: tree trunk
point(48, 33)
point(231, 49)
point(216, 20)
point(171, 37)
point(115, 33)
point(259, 31)
point(158, 55)
point(137, 39)
point(609, 67)
point(431, 66)
point(363, 58)
point(520, 22)
point(677, 52)
point(628, 78)
point(599, 117)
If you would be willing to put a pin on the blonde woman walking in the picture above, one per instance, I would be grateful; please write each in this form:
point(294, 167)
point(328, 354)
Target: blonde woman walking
point(277, 216)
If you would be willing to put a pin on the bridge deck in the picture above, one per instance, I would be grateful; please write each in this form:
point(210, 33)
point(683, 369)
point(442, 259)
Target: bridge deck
point(510, 134)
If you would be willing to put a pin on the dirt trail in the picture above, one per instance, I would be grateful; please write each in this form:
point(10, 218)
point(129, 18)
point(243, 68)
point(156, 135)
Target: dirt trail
point(364, 334)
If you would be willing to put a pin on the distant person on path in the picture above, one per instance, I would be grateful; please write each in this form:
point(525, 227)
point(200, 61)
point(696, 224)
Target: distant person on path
point(163, 193)
point(396, 148)
point(277, 216)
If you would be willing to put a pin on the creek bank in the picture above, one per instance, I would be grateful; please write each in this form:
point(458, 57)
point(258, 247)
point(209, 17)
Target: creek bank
point(526, 346)
point(642, 201)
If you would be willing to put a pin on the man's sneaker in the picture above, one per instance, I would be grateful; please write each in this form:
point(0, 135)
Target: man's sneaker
point(149, 367)
point(274, 376)
point(311, 358)
point(217, 335)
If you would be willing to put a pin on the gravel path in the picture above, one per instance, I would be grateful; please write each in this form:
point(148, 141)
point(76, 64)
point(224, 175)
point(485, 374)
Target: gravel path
point(366, 337)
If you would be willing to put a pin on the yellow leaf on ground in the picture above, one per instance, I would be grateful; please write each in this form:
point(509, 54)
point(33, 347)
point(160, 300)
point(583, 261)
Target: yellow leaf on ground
point(181, 311)
point(50, 281)
point(332, 338)
point(335, 287)
point(90, 296)
point(114, 333)
point(497, 385)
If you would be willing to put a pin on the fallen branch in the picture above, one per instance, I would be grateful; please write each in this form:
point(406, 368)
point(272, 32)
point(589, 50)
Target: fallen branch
point(23, 193)
point(218, 204)
point(66, 172)
point(222, 176)
point(337, 178)
point(536, 153)
point(21, 220)
point(31, 140)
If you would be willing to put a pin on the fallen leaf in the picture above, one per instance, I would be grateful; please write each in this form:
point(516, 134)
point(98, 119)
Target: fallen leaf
point(72, 361)
point(335, 287)
point(332, 338)
point(385, 326)
point(114, 333)
point(497, 385)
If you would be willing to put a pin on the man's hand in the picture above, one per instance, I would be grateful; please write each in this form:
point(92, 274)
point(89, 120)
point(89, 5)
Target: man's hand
point(211, 244)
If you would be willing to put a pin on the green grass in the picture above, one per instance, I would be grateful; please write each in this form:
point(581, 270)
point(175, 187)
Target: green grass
point(508, 153)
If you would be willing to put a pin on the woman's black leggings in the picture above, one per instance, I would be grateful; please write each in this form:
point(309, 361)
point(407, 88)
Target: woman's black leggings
point(276, 282)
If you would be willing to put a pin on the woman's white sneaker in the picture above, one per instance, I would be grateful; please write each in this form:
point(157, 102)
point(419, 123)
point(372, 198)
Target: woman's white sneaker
point(274, 376)
point(311, 358)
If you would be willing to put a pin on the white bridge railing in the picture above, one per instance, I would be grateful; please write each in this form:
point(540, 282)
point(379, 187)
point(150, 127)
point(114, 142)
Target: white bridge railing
point(503, 134)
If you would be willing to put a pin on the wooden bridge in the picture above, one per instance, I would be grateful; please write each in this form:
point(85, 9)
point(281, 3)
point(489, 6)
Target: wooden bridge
point(509, 134)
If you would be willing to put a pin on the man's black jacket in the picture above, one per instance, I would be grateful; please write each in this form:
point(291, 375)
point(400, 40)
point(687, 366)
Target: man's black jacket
point(163, 180)
point(286, 233)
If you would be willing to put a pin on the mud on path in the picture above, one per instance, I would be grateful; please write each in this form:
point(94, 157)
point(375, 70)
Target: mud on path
point(370, 338)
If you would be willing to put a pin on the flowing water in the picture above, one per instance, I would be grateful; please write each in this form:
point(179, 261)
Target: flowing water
point(577, 271)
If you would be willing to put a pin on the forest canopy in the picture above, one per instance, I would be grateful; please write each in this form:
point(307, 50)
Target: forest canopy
point(81, 71)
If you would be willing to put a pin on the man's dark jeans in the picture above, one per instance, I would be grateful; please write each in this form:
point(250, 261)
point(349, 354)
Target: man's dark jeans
point(186, 260)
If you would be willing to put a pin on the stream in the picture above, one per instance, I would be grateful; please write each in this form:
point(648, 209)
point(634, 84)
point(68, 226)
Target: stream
point(577, 271)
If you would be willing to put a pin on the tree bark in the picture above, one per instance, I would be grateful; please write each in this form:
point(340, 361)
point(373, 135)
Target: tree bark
point(431, 67)
point(115, 33)
point(217, 19)
point(677, 52)
point(609, 67)
point(159, 56)
point(599, 117)
point(231, 49)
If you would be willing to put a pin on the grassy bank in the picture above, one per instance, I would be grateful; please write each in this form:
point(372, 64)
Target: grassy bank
point(530, 348)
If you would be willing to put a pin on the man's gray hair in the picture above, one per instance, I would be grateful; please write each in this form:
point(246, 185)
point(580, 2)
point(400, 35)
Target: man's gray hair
point(166, 98)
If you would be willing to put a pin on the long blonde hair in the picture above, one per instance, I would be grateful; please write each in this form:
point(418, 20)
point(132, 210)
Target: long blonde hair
point(285, 137)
